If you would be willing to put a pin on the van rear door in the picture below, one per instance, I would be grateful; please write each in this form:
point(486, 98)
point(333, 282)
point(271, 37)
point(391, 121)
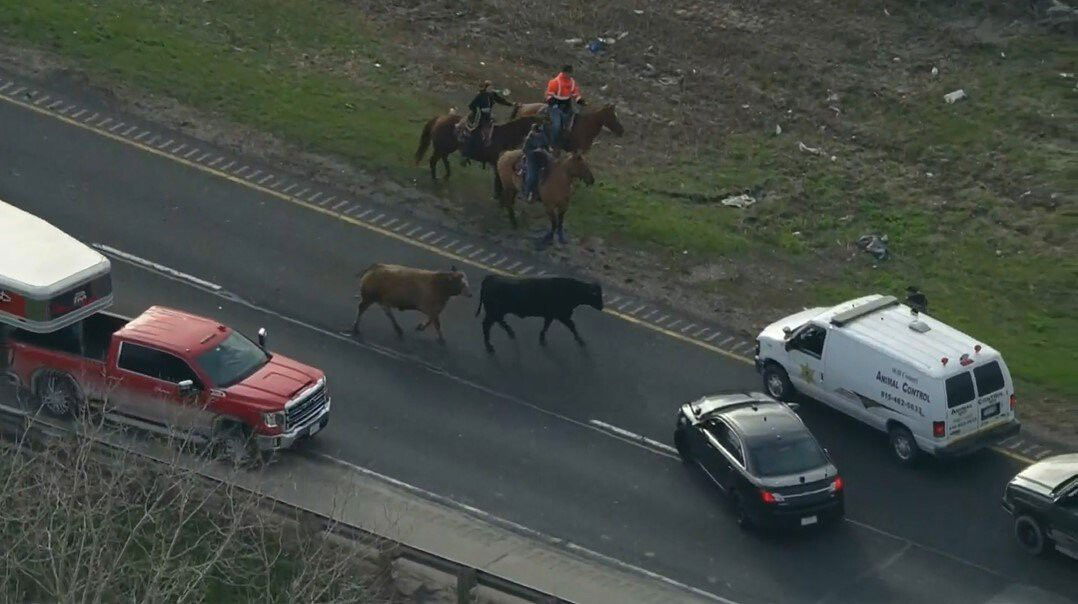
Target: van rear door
point(993, 393)
point(963, 414)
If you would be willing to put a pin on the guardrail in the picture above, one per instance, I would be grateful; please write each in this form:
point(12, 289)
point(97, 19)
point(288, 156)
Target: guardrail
point(17, 423)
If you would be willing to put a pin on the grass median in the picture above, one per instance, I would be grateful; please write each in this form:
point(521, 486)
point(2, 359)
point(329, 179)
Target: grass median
point(977, 197)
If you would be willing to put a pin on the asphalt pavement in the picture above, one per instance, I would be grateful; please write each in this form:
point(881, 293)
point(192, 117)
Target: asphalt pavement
point(515, 434)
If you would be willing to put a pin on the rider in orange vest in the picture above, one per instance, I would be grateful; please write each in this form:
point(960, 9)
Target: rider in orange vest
point(562, 94)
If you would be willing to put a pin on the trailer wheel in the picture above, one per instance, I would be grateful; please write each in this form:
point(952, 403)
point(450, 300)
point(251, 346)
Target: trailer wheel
point(58, 395)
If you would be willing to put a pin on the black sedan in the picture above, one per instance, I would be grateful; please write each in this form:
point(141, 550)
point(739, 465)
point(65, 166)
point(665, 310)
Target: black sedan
point(759, 452)
point(1043, 499)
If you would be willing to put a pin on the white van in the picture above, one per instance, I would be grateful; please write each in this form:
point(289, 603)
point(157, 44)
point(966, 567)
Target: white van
point(930, 387)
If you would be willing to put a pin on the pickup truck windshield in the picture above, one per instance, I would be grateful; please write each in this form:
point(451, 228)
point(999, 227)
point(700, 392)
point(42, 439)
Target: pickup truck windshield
point(232, 360)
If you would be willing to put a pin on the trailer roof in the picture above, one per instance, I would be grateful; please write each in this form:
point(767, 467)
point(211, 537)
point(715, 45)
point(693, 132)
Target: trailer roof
point(39, 260)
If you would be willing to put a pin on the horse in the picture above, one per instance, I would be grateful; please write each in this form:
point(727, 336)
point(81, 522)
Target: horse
point(440, 133)
point(586, 126)
point(554, 189)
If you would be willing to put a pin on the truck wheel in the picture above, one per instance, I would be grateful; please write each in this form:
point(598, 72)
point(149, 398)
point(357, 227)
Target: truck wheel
point(682, 447)
point(234, 445)
point(1030, 535)
point(777, 382)
point(58, 395)
point(903, 445)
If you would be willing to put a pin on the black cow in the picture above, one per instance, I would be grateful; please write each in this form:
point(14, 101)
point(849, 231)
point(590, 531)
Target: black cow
point(548, 297)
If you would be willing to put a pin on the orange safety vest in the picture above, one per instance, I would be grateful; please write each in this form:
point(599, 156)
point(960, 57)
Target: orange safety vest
point(563, 87)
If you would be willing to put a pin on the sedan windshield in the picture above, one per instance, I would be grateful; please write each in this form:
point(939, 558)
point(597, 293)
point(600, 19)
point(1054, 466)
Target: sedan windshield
point(782, 457)
point(232, 360)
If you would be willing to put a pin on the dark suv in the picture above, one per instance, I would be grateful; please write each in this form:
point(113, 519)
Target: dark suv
point(1043, 499)
point(759, 452)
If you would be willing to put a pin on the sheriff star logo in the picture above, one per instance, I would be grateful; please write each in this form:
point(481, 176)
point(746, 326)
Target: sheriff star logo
point(806, 373)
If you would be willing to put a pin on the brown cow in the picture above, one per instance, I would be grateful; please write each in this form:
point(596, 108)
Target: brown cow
point(403, 288)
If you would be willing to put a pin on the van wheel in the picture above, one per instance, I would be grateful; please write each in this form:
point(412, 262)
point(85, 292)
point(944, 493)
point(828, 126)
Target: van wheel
point(1030, 535)
point(58, 395)
point(903, 445)
point(777, 382)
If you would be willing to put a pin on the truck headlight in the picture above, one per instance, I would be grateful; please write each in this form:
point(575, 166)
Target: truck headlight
point(275, 419)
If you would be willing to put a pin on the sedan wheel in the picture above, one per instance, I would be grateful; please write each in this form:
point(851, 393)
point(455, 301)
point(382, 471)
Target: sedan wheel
point(1030, 535)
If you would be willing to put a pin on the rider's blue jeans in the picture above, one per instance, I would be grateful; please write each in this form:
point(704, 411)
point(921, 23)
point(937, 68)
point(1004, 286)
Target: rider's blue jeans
point(534, 163)
point(559, 115)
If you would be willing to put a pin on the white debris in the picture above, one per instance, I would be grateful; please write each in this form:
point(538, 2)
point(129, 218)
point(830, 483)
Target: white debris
point(574, 41)
point(1066, 75)
point(778, 129)
point(638, 11)
point(952, 97)
point(807, 149)
point(623, 35)
point(739, 201)
point(935, 70)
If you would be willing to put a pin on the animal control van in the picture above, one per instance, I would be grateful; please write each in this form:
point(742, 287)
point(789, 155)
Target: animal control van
point(930, 387)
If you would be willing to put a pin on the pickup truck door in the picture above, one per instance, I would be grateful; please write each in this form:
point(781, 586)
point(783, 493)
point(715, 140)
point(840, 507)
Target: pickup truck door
point(145, 386)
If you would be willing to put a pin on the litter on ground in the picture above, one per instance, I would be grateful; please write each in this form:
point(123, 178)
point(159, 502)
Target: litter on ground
point(739, 201)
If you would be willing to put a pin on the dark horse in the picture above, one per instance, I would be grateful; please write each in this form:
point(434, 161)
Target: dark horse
point(442, 132)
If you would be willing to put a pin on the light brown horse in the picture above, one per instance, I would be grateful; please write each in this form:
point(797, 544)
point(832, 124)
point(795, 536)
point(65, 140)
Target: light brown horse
point(442, 132)
point(586, 127)
point(555, 188)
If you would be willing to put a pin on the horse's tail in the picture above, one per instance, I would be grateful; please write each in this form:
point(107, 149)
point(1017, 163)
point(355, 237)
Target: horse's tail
point(424, 140)
point(498, 186)
point(480, 307)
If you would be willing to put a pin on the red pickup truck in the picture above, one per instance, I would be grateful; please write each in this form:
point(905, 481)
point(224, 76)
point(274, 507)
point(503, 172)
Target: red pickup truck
point(173, 372)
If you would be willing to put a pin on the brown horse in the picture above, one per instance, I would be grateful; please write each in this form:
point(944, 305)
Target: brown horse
point(554, 190)
point(586, 127)
point(442, 132)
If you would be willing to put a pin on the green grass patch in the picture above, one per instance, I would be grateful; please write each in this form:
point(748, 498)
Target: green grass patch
point(318, 73)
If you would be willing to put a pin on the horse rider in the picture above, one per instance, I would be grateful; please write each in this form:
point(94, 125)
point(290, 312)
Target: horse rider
point(536, 153)
point(481, 117)
point(562, 95)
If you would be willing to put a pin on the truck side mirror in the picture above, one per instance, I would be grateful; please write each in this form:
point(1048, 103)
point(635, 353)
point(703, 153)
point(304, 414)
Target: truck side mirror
point(262, 338)
point(786, 331)
point(186, 386)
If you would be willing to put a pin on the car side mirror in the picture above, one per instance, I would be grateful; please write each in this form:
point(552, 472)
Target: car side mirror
point(262, 338)
point(186, 386)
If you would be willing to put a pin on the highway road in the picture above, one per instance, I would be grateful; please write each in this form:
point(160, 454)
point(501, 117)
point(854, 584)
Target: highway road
point(515, 434)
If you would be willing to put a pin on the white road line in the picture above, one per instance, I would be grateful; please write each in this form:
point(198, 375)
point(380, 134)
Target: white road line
point(661, 319)
point(153, 139)
point(76, 116)
point(488, 257)
point(180, 146)
point(67, 109)
point(638, 309)
point(542, 273)
point(713, 336)
point(377, 218)
point(435, 241)
point(513, 265)
point(450, 245)
point(239, 171)
point(42, 99)
point(312, 198)
point(157, 267)
point(622, 305)
point(363, 214)
point(389, 223)
point(402, 226)
point(476, 253)
point(91, 118)
point(102, 123)
point(613, 299)
point(1042, 454)
point(344, 202)
point(166, 143)
point(726, 341)
point(674, 324)
point(465, 248)
point(688, 327)
point(665, 448)
point(190, 153)
point(53, 106)
point(265, 179)
point(1017, 444)
point(216, 161)
point(739, 346)
point(699, 333)
point(225, 167)
point(142, 135)
point(5, 86)
point(499, 262)
point(18, 90)
point(428, 234)
point(519, 528)
point(130, 130)
point(116, 127)
point(526, 270)
point(290, 187)
point(301, 192)
point(1030, 449)
point(648, 316)
point(413, 231)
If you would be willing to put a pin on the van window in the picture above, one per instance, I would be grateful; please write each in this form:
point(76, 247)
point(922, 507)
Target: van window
point(811, 340)
point(959, 390)
point(989, 378)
